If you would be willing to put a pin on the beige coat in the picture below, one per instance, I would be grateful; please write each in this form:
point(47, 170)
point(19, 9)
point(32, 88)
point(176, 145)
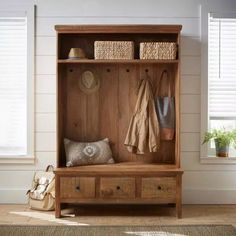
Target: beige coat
point(143, 132)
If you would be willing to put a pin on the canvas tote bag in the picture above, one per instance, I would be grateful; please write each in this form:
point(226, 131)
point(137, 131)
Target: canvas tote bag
point(42, 194)
point(165, 107)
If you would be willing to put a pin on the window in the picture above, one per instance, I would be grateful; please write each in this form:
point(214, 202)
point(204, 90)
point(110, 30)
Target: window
point(222, 73)
point(16, 84)
point(219, 82)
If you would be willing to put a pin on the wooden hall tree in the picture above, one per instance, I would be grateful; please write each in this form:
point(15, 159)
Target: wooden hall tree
point(152, 178)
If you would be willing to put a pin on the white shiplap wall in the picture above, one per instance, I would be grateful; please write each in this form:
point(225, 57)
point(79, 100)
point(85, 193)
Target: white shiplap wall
point(201, 183)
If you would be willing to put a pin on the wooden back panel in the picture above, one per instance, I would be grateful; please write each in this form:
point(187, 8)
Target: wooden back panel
point(106, 113)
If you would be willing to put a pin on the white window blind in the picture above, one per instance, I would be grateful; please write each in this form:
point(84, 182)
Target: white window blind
point(13, 86)
point(222, 67)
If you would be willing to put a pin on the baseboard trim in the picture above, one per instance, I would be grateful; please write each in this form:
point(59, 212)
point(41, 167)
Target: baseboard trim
point(209, 196)
point(13, 196)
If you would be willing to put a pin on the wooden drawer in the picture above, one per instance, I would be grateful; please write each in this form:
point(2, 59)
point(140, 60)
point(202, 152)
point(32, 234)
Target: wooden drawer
point(162, 189)
point(117, 187)
point(77, 187)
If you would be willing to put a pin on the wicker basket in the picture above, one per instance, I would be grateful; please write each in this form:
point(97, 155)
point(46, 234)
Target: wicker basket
point(158, 50)
point(114, 50)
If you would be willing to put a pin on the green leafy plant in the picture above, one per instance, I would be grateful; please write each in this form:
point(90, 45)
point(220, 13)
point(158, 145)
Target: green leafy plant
point(234, 138)
point(223, 137)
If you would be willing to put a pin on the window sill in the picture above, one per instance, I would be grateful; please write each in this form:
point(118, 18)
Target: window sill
point(217, 160)
point(17, 160)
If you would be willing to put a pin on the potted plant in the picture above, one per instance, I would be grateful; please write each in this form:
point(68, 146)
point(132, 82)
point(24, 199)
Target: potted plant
point(222, 139)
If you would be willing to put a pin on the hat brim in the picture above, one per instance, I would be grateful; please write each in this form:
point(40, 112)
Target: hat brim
point(77, 58)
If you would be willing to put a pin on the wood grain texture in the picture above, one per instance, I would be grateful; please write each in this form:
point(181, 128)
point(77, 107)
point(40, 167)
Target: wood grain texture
point(77, 187)
point(133, 85)
point(177, 109)
point(117, 188)
point(159, 188)
point(179, 196)
point(118, 29)
point(127, 168)
point(75, 118)
point(114, 201)
point(92, 109)
point(125, 75)
point(116, 61)
point(58, 197)
point(106, 113)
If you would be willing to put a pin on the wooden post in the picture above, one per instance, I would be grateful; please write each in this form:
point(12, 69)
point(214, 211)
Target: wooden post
point(179, 196)
point(57, 193)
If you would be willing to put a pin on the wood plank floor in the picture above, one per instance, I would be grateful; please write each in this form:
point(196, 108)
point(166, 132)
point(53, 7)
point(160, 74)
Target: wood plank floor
point(121, 215)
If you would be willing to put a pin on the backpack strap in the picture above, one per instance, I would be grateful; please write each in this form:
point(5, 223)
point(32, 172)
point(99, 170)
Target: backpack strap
point(49, 168)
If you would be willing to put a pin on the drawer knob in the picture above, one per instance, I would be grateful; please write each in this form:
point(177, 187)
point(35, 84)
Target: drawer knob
point(118, 187)
point(77, 188)
point(159, 187)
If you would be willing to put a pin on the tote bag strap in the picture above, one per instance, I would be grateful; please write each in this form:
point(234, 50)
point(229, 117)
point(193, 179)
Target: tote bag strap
point(158, 89)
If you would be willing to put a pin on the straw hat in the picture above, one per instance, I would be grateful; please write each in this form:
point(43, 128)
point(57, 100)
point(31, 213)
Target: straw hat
point(88, 82)
point(76, 53)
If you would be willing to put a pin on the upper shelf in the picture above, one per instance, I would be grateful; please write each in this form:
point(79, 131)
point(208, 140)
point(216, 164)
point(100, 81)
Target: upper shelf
point(97, 61)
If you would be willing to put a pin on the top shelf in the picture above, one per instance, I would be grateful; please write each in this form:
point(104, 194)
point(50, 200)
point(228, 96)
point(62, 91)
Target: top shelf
point(85, 36)
point(117, 29)
point(97, 61)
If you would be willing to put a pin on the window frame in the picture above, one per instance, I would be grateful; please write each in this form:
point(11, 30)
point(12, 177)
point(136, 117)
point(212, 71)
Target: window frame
point(205, 150)
point(29, 11)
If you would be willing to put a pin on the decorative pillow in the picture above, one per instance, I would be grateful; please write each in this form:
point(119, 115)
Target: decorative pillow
point(78, 153)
